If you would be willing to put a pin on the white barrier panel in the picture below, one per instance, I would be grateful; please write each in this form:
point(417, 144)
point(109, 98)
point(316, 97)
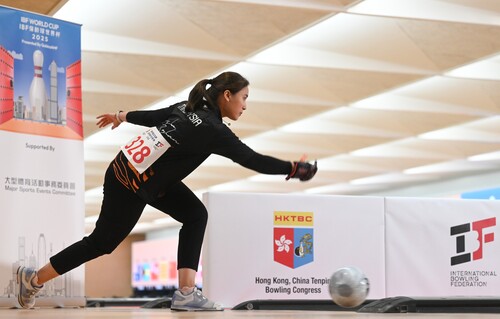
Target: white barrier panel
point(442, 247)
point(274, 246)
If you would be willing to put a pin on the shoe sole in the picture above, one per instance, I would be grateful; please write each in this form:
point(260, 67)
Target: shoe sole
point(18, 280)
point(19, 275)
point(181, 308)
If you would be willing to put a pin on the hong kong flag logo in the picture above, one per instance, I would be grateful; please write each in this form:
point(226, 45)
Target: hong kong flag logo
point(293, 246)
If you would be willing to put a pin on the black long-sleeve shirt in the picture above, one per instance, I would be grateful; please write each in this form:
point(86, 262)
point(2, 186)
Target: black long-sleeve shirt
point(193, 136)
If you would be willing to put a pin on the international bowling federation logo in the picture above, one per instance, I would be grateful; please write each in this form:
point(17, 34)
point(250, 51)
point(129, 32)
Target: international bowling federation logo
point(483, 234)
point(293, 238)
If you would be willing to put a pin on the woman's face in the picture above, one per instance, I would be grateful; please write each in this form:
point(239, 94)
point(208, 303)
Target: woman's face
point(232, 105)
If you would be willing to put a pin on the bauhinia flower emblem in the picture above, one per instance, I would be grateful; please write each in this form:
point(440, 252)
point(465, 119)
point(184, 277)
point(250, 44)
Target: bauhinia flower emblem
point(283, 244)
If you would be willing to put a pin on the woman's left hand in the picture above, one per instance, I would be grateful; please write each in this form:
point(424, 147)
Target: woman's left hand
point(105, 119)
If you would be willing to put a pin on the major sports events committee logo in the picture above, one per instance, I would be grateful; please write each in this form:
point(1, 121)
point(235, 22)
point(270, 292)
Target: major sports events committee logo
point(293, 238)
point(483, 237)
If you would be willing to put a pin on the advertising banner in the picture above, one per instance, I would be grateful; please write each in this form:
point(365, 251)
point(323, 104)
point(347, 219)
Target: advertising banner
point(442, 247)
point(286, 246)
point(154, 265)
point(41, 136)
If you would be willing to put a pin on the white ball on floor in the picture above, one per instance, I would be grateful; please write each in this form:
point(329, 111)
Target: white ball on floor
point(349, 287)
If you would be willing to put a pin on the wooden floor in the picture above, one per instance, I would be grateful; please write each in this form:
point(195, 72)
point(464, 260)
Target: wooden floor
point(140, 313)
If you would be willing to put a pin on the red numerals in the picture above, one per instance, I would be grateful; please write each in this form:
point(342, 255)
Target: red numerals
point(137, 152)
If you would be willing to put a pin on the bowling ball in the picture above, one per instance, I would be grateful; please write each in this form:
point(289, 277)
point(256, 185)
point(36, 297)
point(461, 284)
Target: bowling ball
point(349, 287)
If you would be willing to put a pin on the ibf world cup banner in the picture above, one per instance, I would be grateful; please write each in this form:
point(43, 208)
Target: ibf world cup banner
point(287, 246)
point(442, 247)
point(41, 135)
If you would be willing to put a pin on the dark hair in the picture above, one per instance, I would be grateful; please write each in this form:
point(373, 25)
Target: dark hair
point(201, 95)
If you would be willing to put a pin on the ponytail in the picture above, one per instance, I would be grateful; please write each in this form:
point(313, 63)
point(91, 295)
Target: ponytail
point(200, 95)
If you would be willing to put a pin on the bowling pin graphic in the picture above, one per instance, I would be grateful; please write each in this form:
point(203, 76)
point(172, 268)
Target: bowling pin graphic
point(37, 93)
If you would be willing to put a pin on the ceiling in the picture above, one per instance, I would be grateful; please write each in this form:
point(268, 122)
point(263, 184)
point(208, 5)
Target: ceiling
point(385, 94)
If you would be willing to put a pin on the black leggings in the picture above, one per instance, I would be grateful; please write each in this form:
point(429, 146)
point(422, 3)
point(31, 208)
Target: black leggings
point(120, 211)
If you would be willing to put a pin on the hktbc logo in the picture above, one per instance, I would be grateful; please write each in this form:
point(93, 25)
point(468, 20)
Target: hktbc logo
point(482, 238)
point(293, 238)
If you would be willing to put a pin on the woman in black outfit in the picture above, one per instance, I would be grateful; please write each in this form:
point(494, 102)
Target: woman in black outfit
point(150, 170)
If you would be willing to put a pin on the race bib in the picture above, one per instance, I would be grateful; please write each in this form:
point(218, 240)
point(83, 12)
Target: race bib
point(145, 149)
